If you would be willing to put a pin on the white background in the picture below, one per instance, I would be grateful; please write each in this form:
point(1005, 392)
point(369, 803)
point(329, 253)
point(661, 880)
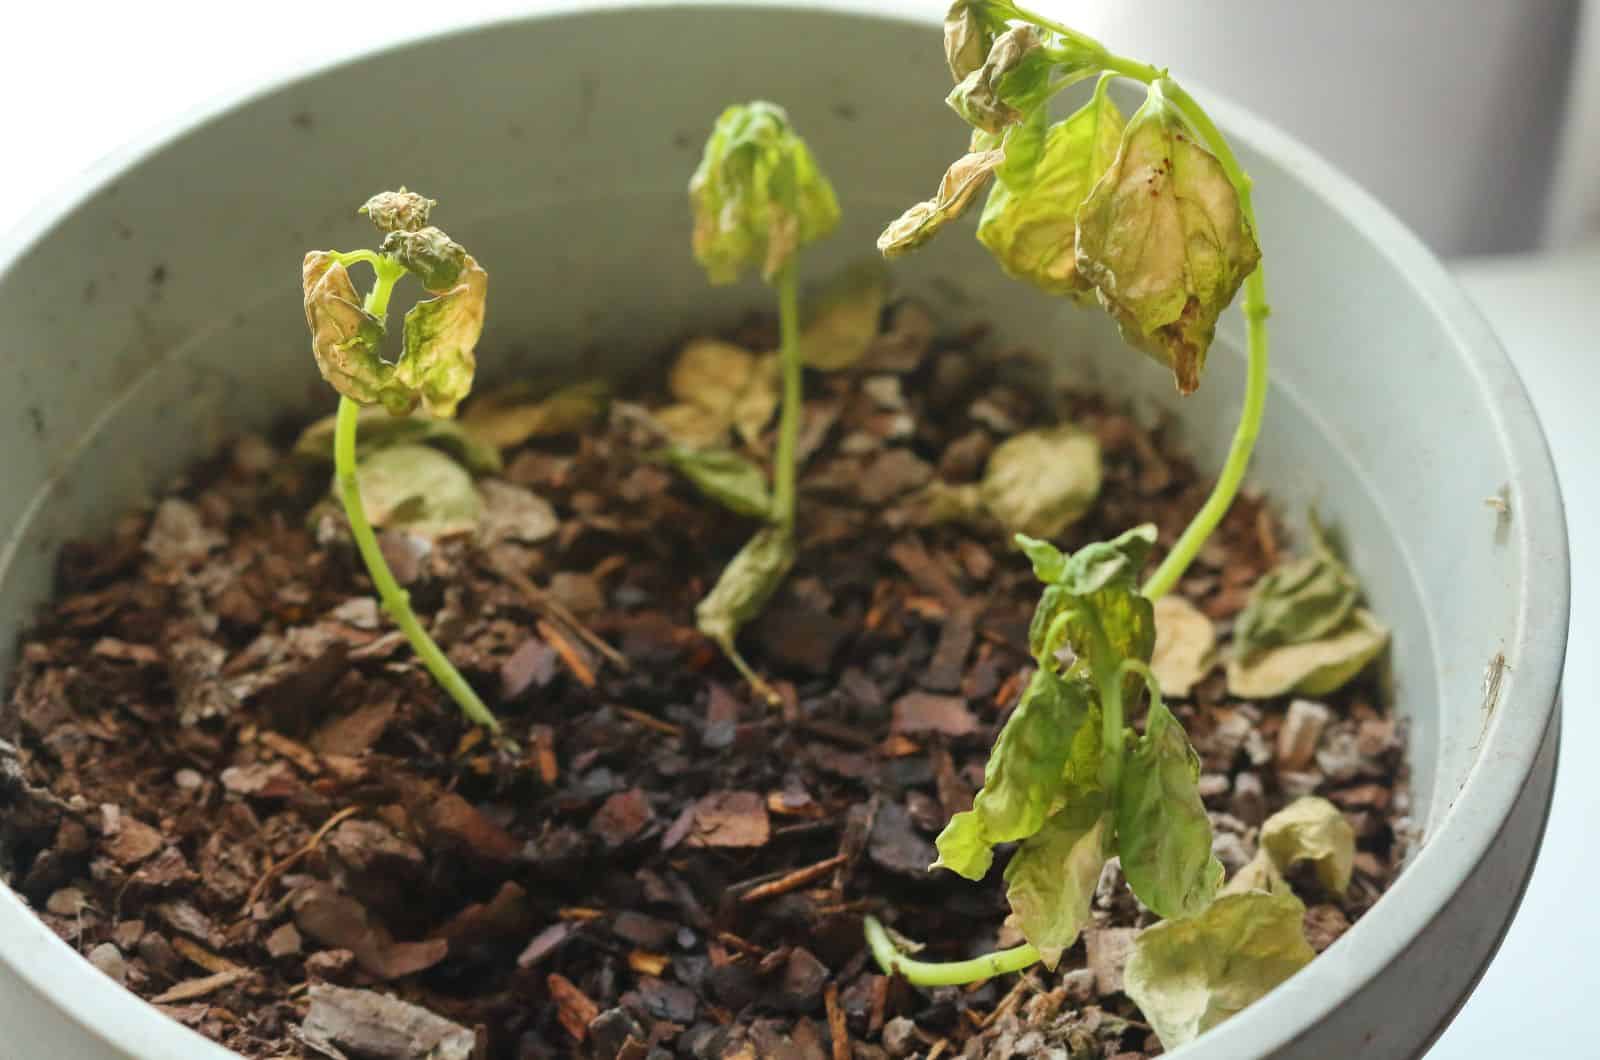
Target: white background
point(1450, 110)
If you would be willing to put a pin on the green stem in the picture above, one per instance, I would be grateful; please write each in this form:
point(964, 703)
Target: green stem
point(943, 973)
point(396, 601)
point(784, 470)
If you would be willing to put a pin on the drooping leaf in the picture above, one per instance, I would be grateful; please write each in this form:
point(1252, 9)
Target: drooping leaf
point(1164, 241)
point(509, 417)
point(419, 489)
point(719, 385)
point(842, 320)
point(345, 338)
point(1049, 562)
point(441, 334)
point(724, 476)
point(1186, 645)
point(1163, 833)
point(1050, 880)
point(1023, 778)
point(1190, 974)
point(746, 584)
point(1315, 668)
point(1301, 600)
point(1030, 220)
point(377, 429)
point(1312, 829)
point(1042, 481)
point(961, 184)
point(1013, 79)
point(757, 194)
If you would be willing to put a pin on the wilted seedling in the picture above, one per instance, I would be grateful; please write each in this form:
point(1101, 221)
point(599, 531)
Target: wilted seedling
point(1150, 217)
point(434, 370)
point(758, 197)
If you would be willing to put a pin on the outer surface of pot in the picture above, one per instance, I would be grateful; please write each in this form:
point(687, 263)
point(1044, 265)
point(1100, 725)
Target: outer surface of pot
point(155, 311)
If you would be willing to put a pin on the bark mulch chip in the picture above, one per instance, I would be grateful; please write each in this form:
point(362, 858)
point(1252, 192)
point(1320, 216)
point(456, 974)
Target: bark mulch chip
point(225, 779)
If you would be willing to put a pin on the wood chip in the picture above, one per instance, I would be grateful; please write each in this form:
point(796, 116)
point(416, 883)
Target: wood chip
point(730, 819)
point(573, 1007)
point(190, 989)
point(373, 1026)
point(924, 712)
point(838, 1029)
point(792, 881)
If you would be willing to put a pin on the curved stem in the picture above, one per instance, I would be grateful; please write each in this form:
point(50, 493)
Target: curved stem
point(396, 601)
point(784, 471)
point(1142, 668)
point(943, 973)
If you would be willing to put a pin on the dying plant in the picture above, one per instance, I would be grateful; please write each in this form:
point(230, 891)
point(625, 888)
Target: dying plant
point(433, 369)
point(1148, 217)
point(758, 196)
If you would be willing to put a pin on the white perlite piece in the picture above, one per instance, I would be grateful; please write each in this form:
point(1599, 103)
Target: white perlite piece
point(1301, 732)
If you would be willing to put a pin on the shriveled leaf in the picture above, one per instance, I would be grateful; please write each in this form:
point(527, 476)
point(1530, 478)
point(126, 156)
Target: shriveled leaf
point(1312, 829)
point(724, 476)
point(511, 417)
point(1030, 220)
point(1042, 481)
point(1013, 79)
point(419, 489)
point(744, 588)
point(1189, 975)
point(969, 31)
point(719, 385)
point(757, 195)
point(961, 184)
point(1186, 645)
point(398, 211)
point(1050, 880)
point(440, 336)
point(1164, 241)
point(940, 502)
point(1298, 601)
point(377, 429)
point(514, 513)
point(1023, 777)
point(429, 255)
point(1163, 833)
point(842, 320)
point(1315, 668)
point(345, 338)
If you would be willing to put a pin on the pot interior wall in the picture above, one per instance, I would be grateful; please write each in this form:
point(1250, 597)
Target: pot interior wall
point(163, 316)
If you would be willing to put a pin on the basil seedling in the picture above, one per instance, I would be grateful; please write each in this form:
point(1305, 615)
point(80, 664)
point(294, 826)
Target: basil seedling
point(434, 369)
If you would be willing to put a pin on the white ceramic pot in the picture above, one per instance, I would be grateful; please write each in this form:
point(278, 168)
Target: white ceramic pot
point(154, 310)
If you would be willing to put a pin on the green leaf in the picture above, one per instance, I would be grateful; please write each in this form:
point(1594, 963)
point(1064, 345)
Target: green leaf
point(1098, 591)
point(1164, 240)
point(345, 338)
point(1186, 645)
point(511, 416)
point(1051, 879)
point(757, 195)
point(842, 320)
point(429, 255)
point(1298, 601)
point(441, 333)
point(1312, 829)
point(377, 429)
point(744, 588)
point(418, 489)
point(1315, 668)
point(724, 476)
point(1049, 562)
point(1189, 975)
point(1030, 221)
point(961, 184)
point(1023, 778)
point(1163, 833)
point(1042, 481)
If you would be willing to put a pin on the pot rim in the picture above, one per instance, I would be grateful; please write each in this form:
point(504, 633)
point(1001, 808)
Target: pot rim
point(1463, 835)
